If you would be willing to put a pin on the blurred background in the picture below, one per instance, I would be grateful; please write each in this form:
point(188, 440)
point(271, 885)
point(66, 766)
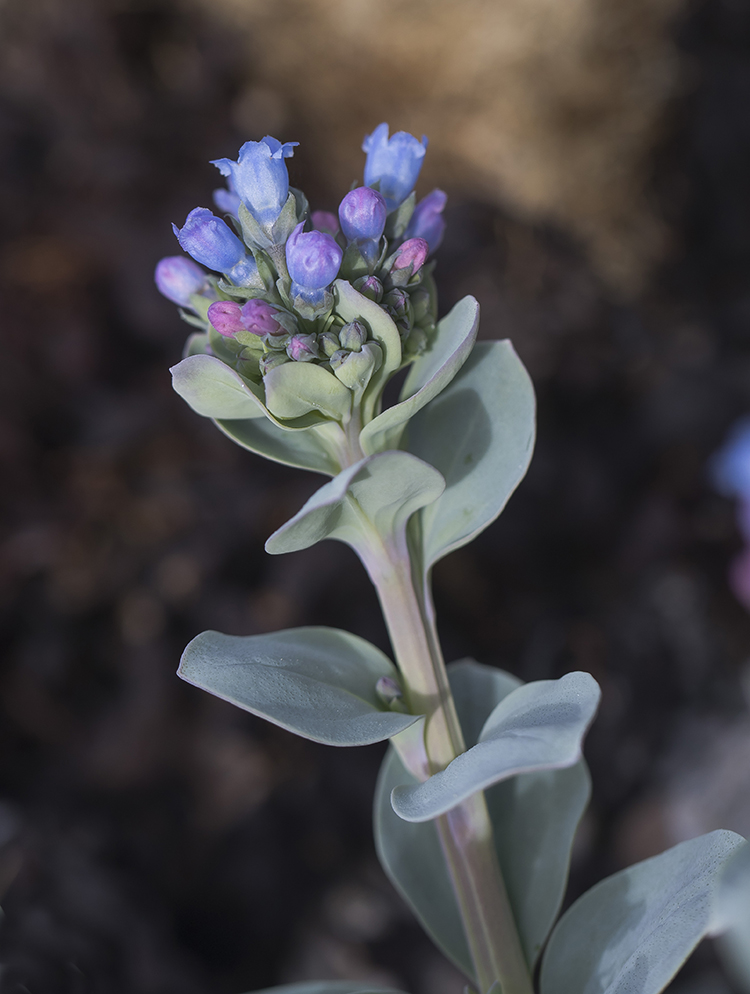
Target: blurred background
point(154, 840)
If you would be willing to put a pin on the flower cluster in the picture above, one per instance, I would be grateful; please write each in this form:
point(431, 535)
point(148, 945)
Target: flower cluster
point(273, 296)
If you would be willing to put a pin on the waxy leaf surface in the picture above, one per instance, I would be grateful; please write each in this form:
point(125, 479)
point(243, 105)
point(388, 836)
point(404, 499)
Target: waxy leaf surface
point(304, 449)
point(534, 818)
point(479, 432)
point(733, 916)
point(633, 931)
point(214, 390)
point(299, 388)
point(430, 373)
point(539, 726)
point(369, 501)
point(316, 682)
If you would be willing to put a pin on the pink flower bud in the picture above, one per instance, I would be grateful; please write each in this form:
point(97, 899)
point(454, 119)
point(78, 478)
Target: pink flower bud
point(412, 253)
point(325, 221)
point(226, 317)
point(259, 318)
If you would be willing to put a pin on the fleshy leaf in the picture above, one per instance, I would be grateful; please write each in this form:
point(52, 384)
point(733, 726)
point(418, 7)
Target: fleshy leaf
point(316, 682)
point(214, 390)
point(733, 917)
point(352, 306)
point(328, 987)
point(534, 817)
point(479, 432)
point(430, 373)
point(634, 930)
point(298, 388)
point(310, 449)
point(372, 499)
point(539, 726)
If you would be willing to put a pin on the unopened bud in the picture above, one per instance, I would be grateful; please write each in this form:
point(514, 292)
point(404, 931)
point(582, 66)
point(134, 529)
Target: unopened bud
point(421, 304)
point(303, 348)
point(226, 317)
point(325, 221)
point(329, 343)
point(178, 278)
point(397, 302)
point(260, 318)
point(356, 368)
point(313, 258)
point(353, 336)
point(271, 360)
point(411, 255)
point(370, 287)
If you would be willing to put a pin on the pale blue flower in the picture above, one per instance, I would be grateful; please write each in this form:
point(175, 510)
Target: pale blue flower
point(259, 177)
point(393, 163)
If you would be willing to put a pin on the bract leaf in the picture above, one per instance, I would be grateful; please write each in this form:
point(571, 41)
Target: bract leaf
point(316, 682)
point(539, 726)
point(298, 388)
point(634, 930)
point(370, 501)
point(214, 390)
point(327, 987)
point(733, 917)
point(479, 432)
point(430, 373)
point(313, 449)
point(534, 817)
point(352, 306)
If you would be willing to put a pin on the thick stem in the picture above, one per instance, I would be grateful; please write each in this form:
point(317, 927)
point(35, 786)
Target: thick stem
point(465, 832)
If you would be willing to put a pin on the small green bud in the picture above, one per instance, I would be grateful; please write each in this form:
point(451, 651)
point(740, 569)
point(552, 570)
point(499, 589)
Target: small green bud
point(421, 304)
point(369, 286)
point(329, 343)
point(356, 368)
point(271, 360)
point(353, 336)
point(303, 348)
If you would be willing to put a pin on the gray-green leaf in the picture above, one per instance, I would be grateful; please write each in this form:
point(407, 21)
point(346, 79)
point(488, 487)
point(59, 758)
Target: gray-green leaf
point(316, 682)
point(214, 390)
point(479, 432)
point(733, 916)
point(367, 503)
point(430, 373)
point(534, 818)
point(313, 449)
point(634, 930)
point(539, 726)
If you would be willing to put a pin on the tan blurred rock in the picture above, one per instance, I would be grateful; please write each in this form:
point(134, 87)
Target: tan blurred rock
point(549, 107)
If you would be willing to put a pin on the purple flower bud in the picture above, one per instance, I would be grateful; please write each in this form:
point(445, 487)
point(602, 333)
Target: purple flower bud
point(427, 220)
point(260, 177)
point(370, 287)
point(226, 317)
point(411, 254)
point(362, 213)
point(313, 258)
point(210, 241)
point(179, 278)
point(393, 163)
point(325, 221)
point(259, 317)
point(303, 348)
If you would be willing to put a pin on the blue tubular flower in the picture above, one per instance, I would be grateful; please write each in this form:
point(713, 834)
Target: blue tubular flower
point(179, 278)
point(313, 259)
point(427, 220)
point(211, 242)
point(362, 213)
point(260, 177)
point(394, 163)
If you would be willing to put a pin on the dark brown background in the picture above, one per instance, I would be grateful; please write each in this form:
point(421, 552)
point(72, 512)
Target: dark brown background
point(155, 841)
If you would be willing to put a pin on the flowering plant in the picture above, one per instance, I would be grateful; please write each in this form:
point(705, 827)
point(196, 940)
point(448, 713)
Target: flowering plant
point(300, 326)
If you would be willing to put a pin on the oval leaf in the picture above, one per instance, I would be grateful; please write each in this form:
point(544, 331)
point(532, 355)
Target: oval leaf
point(534, 818)
point(634, 930)
point(299, 388)
point(214, 390)
point(430, 373)
point(376, 495)
point(539, 726)
point(308, 449)
point(316, 682)
point(352, 306)
point(479, 432)
point(733, 917)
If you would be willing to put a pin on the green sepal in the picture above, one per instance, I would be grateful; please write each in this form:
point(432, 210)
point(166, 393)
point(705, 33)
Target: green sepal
point(191, 319)
point(303, 205)
point(398, 220)
point(241, 292)
point(286, 222)
point(253, 234)
point(196, 344)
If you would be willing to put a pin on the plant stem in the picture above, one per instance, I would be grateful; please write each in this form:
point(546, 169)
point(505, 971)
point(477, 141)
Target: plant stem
point(465, 832)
